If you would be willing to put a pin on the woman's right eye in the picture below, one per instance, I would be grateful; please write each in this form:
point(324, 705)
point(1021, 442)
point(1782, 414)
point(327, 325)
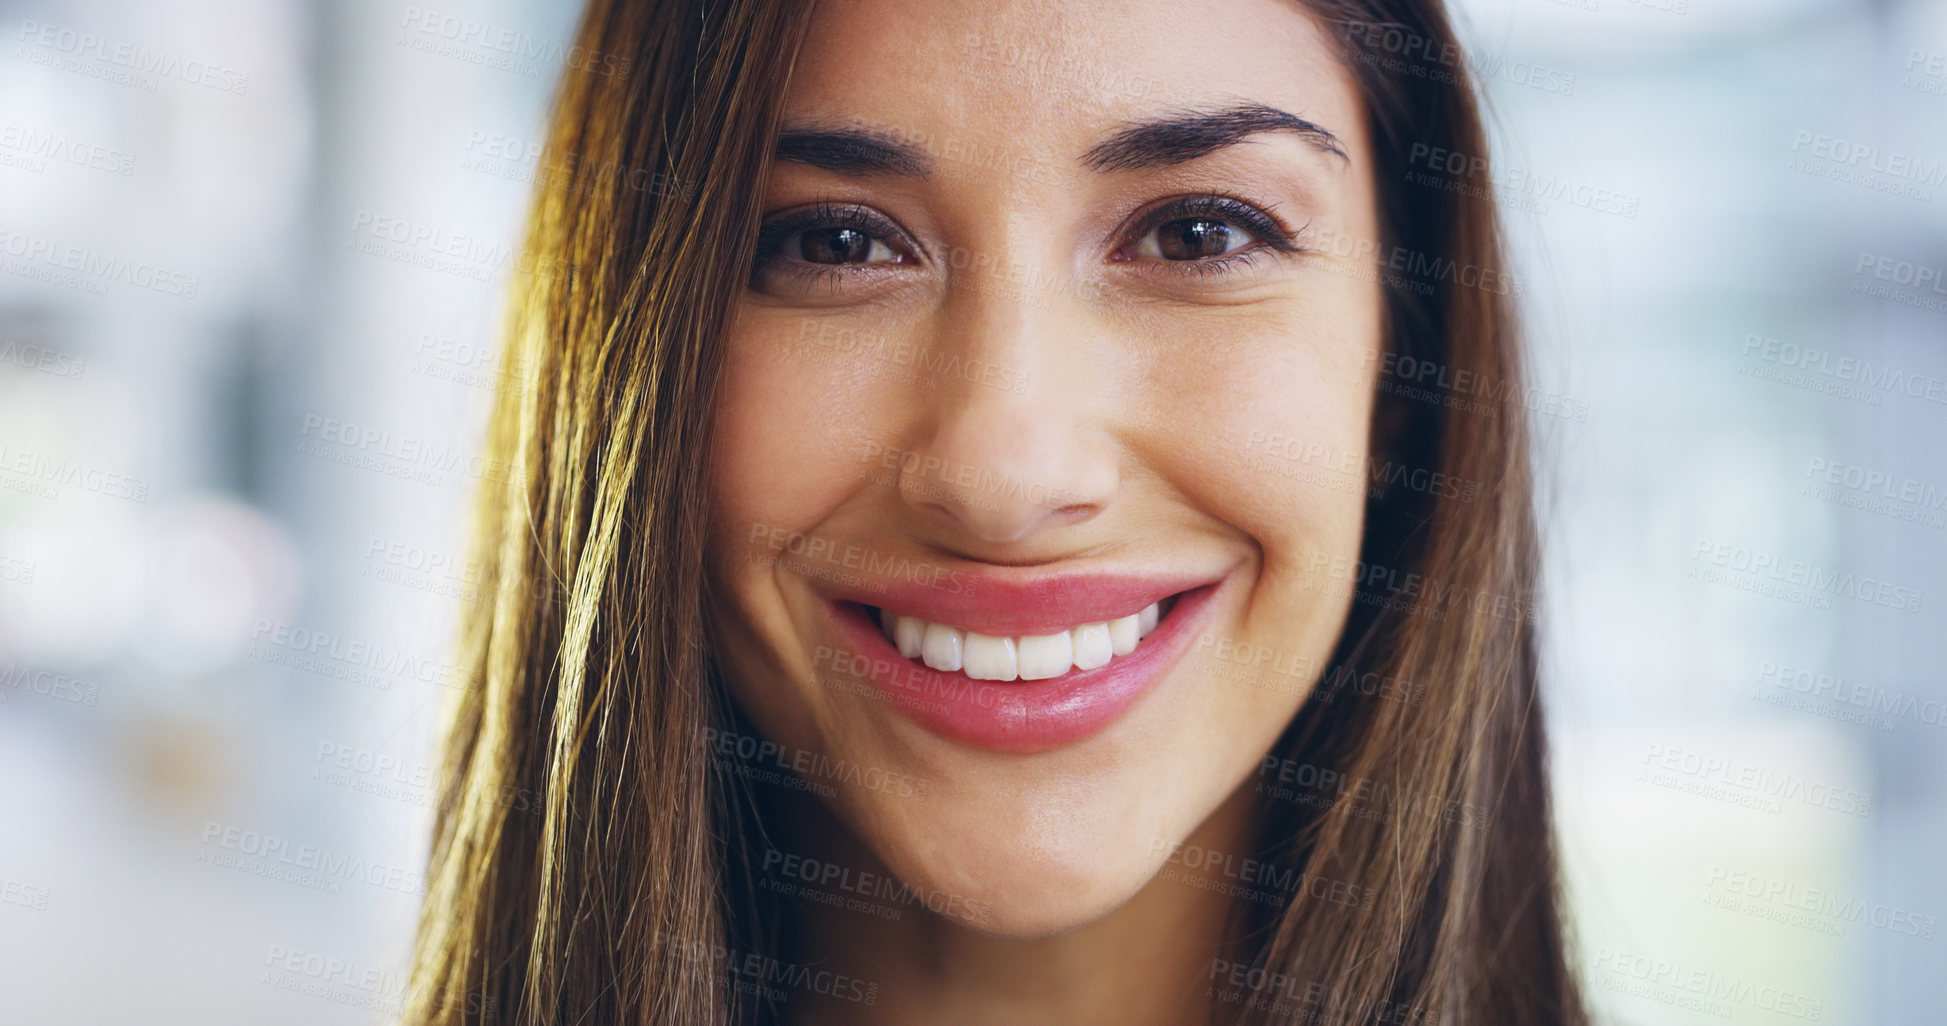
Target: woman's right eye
point(837, 245)
point(827, 245)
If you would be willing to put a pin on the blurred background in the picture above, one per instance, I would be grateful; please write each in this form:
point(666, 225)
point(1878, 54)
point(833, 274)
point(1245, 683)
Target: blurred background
point(253, 253)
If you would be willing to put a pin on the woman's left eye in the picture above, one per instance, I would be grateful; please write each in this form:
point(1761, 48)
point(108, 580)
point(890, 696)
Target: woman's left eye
point(1206, 234)
point(1192, 238)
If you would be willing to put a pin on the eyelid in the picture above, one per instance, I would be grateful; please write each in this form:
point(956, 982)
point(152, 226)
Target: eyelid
point(1271, 234)
point(830, 214)
point(1259, 221)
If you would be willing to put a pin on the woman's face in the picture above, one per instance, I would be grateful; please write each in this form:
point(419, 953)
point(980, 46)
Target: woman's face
point(1045, 329)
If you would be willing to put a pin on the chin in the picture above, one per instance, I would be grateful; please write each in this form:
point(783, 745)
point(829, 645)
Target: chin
point(1034, 850)
point(1025, 888)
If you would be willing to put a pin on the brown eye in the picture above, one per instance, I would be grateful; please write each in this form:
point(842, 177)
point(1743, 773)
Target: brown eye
point(1198, 237)
point(1193, 238)
point(830, 245)
point(834, 246)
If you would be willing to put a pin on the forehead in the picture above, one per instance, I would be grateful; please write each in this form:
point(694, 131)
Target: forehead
point(1052, 78)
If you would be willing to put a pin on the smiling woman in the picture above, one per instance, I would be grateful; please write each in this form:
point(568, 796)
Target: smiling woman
point(973, 558)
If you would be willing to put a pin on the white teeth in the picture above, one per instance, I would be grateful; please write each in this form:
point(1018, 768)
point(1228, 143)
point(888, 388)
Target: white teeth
point(940, 648)
point(1030, 657)
point(909, 634)
point(990, 658)
point(1046, 655)
point(1093, 646)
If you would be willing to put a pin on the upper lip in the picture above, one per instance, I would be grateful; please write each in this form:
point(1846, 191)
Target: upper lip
point(1039, 601)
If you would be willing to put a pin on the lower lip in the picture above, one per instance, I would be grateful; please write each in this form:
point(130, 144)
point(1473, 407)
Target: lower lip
point(1022, 715)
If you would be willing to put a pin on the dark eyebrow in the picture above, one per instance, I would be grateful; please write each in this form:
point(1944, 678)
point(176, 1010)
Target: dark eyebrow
point(1187, 135)
point(854, 152)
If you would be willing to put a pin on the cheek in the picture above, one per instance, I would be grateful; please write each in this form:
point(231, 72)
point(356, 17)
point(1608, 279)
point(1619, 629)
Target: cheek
point(1271, 427)
point(785, 454)
point(1273, 434)
point(788, 450)
point(782, 454)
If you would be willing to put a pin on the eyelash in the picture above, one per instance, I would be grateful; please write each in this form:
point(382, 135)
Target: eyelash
point(1270, 234)
point(824, 214)
point(1229, 210)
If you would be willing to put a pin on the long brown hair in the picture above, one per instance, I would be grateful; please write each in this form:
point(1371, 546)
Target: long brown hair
point(589, 861)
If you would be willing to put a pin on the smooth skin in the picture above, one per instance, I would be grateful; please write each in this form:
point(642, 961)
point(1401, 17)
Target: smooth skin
point(1186, 395)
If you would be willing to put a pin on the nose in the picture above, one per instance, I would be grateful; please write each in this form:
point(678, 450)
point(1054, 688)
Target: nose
point(1016, 442)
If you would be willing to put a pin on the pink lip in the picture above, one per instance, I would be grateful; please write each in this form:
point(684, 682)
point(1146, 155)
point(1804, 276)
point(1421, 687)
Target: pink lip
point(991, 604)
point(1020, 716)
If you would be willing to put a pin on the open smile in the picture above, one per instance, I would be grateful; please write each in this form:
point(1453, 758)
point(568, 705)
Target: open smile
point(1025, 657)
point(1018, 667)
